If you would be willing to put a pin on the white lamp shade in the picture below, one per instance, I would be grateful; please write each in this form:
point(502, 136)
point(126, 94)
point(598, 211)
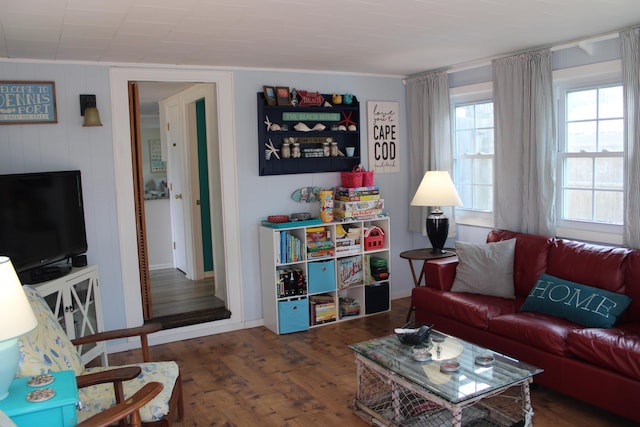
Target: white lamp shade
point(436, 189)
point(16, 315)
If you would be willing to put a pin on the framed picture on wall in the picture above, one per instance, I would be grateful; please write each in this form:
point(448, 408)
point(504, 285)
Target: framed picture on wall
point(270, 95)
point(155, 155)
point(27, 102)
point(283, 95)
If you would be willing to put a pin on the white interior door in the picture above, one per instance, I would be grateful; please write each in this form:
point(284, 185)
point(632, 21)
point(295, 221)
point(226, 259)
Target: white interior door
point(175, 160)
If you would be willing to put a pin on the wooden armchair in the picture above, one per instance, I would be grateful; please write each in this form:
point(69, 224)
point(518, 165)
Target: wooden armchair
point(48, 349)
point(127, 408)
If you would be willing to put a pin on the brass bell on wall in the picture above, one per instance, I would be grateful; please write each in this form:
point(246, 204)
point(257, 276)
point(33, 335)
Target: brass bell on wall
point(89, 110)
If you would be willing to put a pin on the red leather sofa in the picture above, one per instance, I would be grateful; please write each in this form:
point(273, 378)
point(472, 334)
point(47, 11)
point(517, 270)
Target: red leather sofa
point(599, 366)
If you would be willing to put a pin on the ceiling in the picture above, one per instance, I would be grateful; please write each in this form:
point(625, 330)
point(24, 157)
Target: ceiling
point(385, 37)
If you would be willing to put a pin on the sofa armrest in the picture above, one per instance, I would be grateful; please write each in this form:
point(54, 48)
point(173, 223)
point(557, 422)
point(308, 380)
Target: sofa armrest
point(440, 273)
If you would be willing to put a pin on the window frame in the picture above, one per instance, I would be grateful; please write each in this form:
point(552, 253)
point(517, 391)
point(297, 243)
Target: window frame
point(461, 95)
point(566, 80)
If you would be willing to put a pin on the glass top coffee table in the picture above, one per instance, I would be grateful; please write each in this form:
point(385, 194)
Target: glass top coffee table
point(461, 385)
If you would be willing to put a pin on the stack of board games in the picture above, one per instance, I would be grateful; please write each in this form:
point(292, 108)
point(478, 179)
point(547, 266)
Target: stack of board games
point(322, 309)
point(349, 307)
point(348, 237)
point(357, 203)
point(319, 243)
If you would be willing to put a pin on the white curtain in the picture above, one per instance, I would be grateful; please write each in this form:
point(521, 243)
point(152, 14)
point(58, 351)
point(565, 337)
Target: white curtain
point(525, 145)
point(629, 48)
point(429, 138)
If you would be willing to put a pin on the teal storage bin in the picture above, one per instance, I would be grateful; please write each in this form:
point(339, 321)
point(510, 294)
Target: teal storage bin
point(293, 315)
point(321, 276)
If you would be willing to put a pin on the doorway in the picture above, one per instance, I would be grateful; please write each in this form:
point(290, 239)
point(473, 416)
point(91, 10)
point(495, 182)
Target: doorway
point(171, 146)
point(229, 269)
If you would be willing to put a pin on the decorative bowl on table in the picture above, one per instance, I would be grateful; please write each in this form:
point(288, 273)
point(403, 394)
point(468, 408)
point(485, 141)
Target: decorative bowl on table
point(413, 335)
point(278, 219)
point(302, 216)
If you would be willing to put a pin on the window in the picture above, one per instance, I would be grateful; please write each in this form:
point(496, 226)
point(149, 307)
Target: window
point(591, 154)
point(473, 154)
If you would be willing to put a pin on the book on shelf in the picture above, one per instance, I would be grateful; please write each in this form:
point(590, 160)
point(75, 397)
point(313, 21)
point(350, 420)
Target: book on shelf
point(290, 248)
point(322, 309)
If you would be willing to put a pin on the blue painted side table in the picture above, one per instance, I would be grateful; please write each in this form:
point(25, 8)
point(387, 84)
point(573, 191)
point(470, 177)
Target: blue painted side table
point(58, 411)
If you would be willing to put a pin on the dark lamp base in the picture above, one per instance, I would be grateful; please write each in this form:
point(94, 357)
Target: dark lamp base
point(437, 231)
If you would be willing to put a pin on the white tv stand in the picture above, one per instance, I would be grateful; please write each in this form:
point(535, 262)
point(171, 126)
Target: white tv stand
point(75, 300)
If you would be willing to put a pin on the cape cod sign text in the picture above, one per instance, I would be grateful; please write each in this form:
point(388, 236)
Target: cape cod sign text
point(384, 136)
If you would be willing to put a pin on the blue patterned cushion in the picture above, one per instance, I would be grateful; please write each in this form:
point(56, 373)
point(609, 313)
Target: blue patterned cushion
point(48, 349)
point(97, 398)
point(585, 305)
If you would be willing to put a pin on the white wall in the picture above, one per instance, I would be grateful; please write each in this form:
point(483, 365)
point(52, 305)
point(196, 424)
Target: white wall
point(157, 215)
point(264, 195)
point(68, 145)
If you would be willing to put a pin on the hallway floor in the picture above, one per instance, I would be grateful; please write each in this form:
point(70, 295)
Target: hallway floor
point(178, 301)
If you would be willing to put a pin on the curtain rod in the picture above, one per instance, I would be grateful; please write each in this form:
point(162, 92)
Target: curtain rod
point(582, 43)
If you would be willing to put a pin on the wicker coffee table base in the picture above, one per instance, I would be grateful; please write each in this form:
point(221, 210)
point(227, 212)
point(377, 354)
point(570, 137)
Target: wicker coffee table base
point(386, 399)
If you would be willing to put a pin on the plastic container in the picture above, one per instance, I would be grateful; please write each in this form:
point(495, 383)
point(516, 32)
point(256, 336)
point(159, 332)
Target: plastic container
point(326, 205)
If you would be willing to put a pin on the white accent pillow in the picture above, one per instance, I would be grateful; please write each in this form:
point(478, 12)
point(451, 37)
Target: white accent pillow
point(485, 269)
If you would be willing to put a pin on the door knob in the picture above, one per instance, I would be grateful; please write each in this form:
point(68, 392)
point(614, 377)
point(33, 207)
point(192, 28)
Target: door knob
point(179, 196)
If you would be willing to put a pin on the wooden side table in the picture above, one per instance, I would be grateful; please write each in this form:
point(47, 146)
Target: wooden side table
point(425, 255)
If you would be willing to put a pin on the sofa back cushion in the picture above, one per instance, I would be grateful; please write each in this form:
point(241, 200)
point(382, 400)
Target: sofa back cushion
point(590, 264)
point(530, 259)
point(632, 285)
point(485, 269)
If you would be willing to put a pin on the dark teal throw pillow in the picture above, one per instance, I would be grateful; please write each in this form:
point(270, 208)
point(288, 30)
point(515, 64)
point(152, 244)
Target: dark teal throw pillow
point(585, 305)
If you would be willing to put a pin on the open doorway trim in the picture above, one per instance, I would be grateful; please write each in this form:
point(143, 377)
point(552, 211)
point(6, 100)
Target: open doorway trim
point(119, 80)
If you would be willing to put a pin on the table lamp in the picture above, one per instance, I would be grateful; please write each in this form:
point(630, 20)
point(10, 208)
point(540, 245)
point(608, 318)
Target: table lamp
point(436, 189)
point(16, 319)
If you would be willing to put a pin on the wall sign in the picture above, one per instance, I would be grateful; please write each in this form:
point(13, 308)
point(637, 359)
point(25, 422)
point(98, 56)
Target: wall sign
point(384, 136)
point(327, 117)
point(27, 102)
point(155, 154)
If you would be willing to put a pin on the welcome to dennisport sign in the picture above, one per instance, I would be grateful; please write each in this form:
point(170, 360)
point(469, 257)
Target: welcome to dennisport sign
point(384, 136)
point(27, 102)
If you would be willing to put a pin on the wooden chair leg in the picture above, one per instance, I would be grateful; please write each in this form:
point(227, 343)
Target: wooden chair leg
point(119, 392)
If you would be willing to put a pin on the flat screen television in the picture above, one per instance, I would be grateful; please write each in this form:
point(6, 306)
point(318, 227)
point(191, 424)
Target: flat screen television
point(41, 222)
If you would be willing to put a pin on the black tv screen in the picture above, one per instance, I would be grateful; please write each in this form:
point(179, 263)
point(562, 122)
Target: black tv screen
point(41, 221)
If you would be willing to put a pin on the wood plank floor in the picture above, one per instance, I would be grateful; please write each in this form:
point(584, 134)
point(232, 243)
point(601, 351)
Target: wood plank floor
point(254, 377)
point(172, 293)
